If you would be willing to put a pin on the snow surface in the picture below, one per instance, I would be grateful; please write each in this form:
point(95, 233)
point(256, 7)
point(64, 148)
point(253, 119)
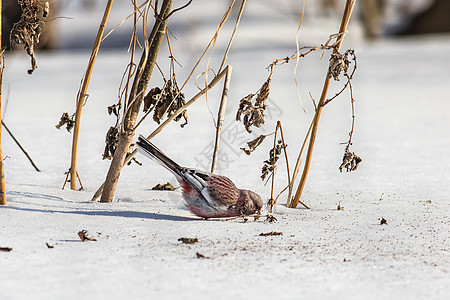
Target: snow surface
point(402, 135)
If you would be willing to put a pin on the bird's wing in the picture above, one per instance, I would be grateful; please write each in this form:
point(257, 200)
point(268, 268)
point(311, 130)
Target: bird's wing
point(217, 190)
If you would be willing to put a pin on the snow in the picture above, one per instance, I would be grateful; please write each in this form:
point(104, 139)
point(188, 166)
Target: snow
point(402, 127)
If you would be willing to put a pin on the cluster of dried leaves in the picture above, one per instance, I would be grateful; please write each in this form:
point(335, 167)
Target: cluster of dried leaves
point(165, 101)
point(350, 161)
point(254, 113)
point(274, 155)
point(66, 120)
point(28, 30)
point(339, 63)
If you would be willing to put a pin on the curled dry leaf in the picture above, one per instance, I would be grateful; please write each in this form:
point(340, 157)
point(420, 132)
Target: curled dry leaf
point(83, 234)
point(350, 161)
point(163, 187)
point(253, 144)
point(254, 113)
point(339, 63)
point(274, 155)
point(66, 120)
point(111, 141)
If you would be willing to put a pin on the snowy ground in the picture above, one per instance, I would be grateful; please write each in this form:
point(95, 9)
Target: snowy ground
point(402, 134)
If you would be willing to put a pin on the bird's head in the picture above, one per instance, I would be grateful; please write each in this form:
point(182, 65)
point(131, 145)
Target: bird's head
point(252, 203)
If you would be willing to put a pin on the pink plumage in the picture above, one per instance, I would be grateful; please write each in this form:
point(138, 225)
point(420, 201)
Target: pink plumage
point(207, 195)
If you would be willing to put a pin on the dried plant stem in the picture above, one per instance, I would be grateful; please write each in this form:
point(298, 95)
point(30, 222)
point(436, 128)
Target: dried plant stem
point(289, 185)
point(140, 84)
point(20, 146)
point(297, 168)
point(2, 167)
point(221, 115)
point(130, 156)
point(241, 10)
point(82, 94)
point(345, 19)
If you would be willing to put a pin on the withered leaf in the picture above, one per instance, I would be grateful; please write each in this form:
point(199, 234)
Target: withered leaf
point(199, 255)
point(253, 144)
point(350, 161)
point(163, 187)
point(66, 120)
point(111, 142)
point(83, 234)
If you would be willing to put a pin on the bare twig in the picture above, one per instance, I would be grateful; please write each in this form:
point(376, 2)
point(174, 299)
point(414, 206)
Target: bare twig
point(221, 115)
point(20, 146)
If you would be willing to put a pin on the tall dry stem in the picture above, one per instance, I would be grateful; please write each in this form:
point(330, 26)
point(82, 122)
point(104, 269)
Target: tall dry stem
point(82, 94)
point(221, 116)
point(345, 19)
point(2, 167)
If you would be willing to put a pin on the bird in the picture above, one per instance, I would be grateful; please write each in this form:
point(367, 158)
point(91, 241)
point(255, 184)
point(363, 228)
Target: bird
point(207, 195)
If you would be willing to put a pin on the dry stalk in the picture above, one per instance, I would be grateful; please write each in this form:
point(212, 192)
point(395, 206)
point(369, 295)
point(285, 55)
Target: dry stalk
point(345, 19)
point(297, 61)
point(81, 96)
point(2, 166)
point(221, 115)
point(274, 152)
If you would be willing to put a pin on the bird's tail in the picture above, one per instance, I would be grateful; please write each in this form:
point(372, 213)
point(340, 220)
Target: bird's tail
point(148, 149)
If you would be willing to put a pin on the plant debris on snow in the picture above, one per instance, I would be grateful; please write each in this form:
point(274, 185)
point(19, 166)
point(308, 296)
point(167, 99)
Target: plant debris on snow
point(189, 241)
point(272, 233)
point(83, 234)
point(163, 187)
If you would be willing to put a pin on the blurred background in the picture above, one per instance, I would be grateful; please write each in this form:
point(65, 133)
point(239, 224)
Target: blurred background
point(65, 28)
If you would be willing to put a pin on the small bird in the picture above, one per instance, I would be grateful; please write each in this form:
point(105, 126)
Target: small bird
point(207, 195)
